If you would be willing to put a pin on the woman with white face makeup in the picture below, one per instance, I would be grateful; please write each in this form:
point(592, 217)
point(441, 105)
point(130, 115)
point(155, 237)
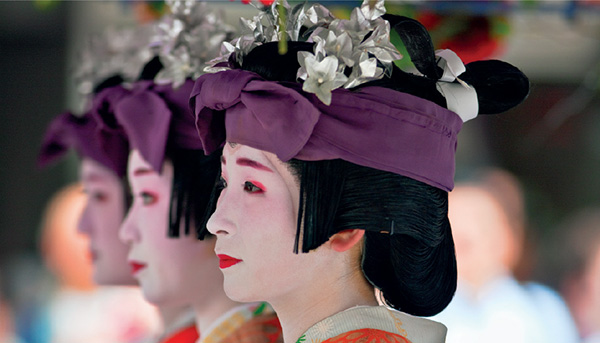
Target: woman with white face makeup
point(103, 212)
point(104, 153)
point(171, 181)
point(331, 191)
point(101, 176)
point(100, 221)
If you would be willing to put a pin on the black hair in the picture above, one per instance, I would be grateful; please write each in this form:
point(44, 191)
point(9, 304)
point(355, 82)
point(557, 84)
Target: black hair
point(194, 176)
point(408, 247)
point(112, 81)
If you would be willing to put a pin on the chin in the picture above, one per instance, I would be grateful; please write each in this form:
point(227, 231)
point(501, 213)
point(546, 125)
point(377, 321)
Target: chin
point(240, 293)
point(113, 277)
point(155, 298)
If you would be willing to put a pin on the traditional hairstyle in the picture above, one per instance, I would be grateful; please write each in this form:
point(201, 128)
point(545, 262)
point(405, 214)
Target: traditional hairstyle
point(409, 250)
point(194, 177)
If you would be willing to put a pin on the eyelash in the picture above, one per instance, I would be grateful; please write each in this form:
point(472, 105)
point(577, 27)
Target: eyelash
point(148, 198)
point(252, 188)
point(249, 186)
point(222, 183)
point(99, 196)
point(96, 196)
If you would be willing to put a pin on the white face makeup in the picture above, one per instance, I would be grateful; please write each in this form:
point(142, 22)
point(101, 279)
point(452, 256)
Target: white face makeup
point(255, 224)
point(171, 271)
point(100, 221)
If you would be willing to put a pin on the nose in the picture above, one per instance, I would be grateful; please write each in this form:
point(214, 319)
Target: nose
point(221, 222)
point(128, 232)
point(85, 224)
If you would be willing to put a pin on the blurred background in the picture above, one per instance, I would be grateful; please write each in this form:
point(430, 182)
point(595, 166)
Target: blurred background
point(550, 144)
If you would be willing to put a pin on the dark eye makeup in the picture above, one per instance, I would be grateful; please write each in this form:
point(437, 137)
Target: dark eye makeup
point(254, 187)
point(148, 198)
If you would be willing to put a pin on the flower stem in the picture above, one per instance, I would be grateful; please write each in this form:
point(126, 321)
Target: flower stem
point(282, 28)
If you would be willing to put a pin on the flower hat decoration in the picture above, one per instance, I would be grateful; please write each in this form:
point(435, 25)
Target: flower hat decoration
point(347, 52)
point(186, 39)
point(115, 53)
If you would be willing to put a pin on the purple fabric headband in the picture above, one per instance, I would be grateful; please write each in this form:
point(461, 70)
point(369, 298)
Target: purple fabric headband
point(83, 134)
point(374, 126)
point(152, 117)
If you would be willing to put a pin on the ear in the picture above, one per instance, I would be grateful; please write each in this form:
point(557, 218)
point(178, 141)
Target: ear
point(346, 239)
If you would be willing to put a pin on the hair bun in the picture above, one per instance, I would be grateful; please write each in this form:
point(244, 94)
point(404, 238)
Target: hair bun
point(112, 81)
point(500, 86)
point(151, 69)
point(418, 44)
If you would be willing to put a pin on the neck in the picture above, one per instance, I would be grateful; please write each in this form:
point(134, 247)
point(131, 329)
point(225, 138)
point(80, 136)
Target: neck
point(171, 316)
point(298, 312)
point(210, 309)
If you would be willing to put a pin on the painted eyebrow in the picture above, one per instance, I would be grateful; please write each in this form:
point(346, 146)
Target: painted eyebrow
point(246, 162)
point(142, 171)
point(92, 177)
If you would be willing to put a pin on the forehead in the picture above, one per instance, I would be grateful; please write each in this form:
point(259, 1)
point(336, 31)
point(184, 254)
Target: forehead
point(136, 160)
point(94, 171)
point(138, 167)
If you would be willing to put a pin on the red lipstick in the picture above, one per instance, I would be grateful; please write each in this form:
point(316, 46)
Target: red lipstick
point(92, 255)
point(226, 261)
point(136, 267)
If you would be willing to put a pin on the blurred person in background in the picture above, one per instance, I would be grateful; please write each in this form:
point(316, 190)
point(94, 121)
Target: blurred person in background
point(77, 310)
point(7, 329)
point(574, 263)
point(116, 57)
point(488, 221)
point(99, 220)
point(171, 181)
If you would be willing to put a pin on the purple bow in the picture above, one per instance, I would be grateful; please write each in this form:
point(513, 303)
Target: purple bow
point(83, 134)
point(153, 117)
point(268, 116)
point(374, 126)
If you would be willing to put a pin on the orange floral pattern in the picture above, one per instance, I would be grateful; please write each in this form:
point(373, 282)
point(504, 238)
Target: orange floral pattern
point(261, 329)
point(188, 334)
point(367, 336)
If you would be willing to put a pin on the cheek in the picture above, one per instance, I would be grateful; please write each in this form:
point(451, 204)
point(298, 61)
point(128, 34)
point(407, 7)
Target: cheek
point(111, 217)
point(153, 221)
point(276, 217)
point(270, 233)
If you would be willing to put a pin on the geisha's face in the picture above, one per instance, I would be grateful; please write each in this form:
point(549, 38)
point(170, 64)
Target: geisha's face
point(171, 271)
point(255, 224)
point(100, 221)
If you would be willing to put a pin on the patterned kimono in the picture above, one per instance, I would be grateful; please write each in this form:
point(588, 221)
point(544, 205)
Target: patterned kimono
point(187, 334)
point(377, 324)
point(248, 323)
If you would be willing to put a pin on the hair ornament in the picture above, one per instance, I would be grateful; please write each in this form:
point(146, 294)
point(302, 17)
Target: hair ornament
point(347, 53)
point(268, 26)
point(360, 44)
point(117, 54)
point(461, 98)
point(186, 39)
point(391, 231)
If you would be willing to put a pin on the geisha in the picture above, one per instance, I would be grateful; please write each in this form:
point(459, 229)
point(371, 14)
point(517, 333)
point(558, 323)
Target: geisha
point(335, 170)
point(171, 180)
